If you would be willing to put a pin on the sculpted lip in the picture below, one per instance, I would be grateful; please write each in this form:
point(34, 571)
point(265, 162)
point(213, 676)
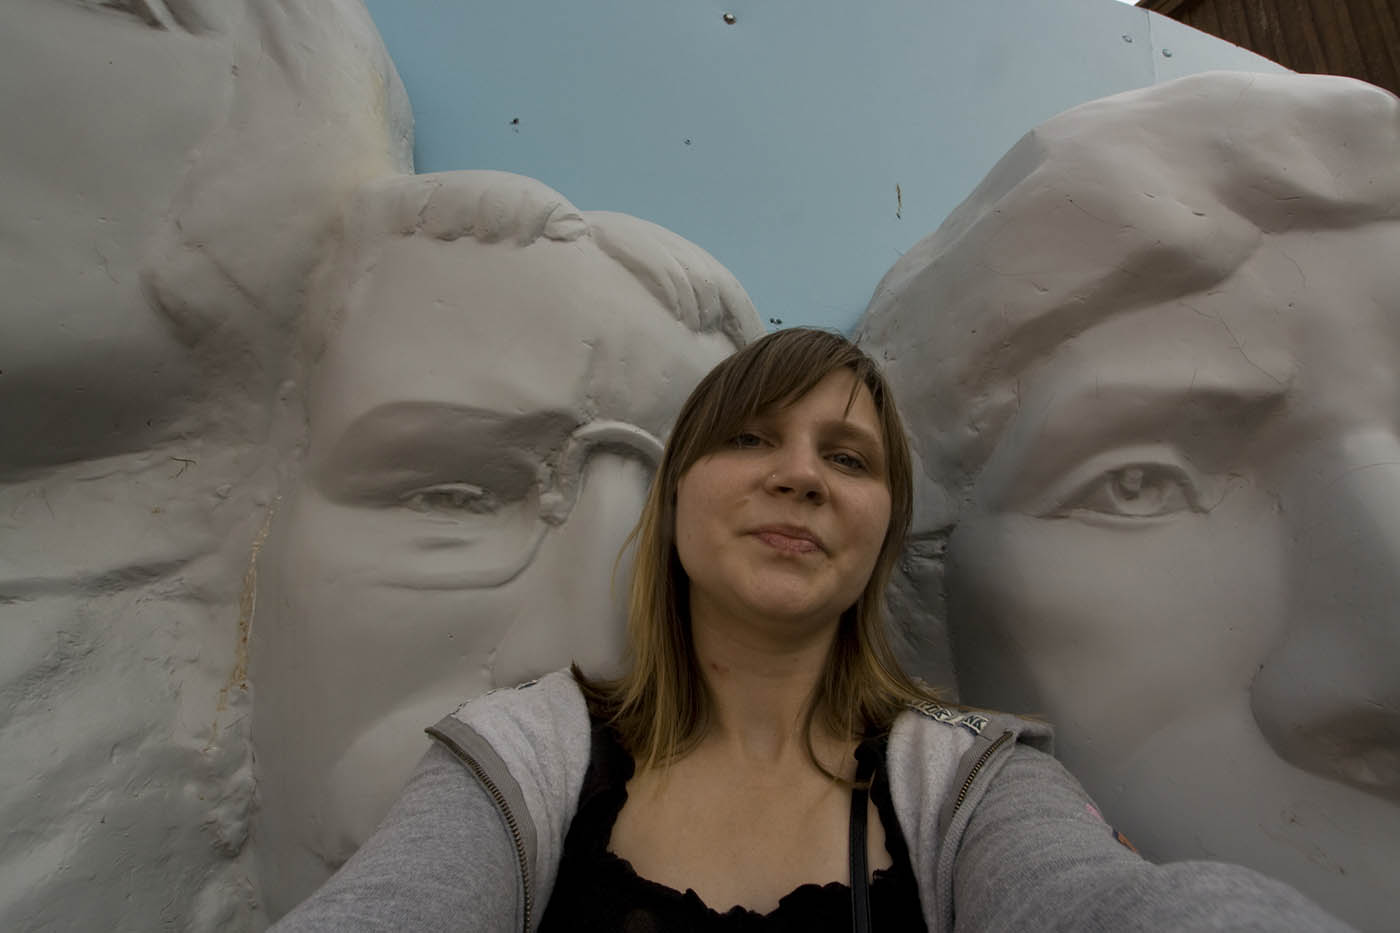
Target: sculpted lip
point(792, 538)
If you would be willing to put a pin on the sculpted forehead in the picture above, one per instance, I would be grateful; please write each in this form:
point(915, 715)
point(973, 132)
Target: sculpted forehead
point(1131, 203)
point(548, 327)
point(1309, 315)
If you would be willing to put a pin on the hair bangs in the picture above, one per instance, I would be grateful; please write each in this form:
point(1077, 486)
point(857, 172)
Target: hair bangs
point(779, 370)
point(661, 706)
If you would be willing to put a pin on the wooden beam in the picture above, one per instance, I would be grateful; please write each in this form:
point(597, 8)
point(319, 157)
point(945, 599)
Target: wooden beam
point(1172, 8)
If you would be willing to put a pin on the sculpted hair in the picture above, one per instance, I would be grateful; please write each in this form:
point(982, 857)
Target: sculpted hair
point(316, 109)
point(492, 207)
point(1110, 207)
point(661, 705)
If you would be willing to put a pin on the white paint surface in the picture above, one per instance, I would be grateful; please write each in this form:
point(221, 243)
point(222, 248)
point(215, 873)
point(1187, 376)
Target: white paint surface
point(1150, 367)
point(166, 172)
point(491, 373)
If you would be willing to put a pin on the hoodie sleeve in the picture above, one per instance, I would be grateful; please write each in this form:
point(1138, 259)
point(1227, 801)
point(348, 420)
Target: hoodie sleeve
point(1036, 856)
point(439, 861)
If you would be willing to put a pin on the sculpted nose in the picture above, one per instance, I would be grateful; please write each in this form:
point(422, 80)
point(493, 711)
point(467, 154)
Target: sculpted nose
point(568, 605)
point(1328, 696)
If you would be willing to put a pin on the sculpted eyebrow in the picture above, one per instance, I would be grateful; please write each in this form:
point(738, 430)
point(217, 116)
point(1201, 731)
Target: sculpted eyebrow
point(1209, 423)
point(413, 442)
point(1132, 406)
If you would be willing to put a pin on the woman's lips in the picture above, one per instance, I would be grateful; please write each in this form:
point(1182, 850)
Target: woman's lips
point(791, 541)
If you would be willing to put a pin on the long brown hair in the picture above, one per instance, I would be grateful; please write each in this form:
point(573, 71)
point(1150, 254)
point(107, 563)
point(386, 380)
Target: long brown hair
point(661, 705)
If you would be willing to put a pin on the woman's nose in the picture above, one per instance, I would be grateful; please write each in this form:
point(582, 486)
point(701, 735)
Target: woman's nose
point(795, 470)
point(1328, 695)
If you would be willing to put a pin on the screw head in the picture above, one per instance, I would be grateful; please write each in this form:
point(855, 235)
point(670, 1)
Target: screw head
point(730, 19)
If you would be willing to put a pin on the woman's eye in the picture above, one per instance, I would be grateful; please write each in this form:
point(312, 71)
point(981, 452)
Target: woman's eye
point(451, 497)
point(746, 439)
point(848, 461)
point(1137, 491)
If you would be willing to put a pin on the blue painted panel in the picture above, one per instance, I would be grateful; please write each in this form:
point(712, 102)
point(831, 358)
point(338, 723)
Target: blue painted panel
point(776, 142)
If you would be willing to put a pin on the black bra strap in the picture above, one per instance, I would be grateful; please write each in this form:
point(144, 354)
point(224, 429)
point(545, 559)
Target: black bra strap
point(860, 880)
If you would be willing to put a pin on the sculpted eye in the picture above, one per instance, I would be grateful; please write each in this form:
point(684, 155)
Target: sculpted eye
point(1144, 490)
point(451, 497)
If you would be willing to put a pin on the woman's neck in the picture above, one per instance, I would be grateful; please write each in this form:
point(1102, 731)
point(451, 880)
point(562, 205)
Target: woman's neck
point(760, 688)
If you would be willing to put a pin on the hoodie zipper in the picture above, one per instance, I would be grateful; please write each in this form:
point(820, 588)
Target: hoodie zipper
point(511, 824)
point(976, 767)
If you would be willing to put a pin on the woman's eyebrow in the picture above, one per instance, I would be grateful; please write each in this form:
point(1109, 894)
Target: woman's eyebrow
point(845, 430)
point(866, 442)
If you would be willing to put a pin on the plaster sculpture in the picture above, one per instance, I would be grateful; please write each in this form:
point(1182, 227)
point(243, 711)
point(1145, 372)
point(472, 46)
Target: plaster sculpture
point(490, 373)
point(167, 170)
point(1152, 369)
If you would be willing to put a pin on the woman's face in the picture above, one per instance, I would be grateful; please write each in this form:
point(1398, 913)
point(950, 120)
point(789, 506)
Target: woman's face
point(785, 521)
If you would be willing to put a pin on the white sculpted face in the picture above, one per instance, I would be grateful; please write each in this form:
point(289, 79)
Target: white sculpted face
point(1175, 516)
point(484, 424)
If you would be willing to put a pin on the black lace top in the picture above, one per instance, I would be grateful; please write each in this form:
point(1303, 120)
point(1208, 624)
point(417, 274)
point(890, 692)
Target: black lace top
point(599, 891)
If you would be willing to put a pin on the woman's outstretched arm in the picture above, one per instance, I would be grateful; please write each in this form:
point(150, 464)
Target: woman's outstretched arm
point(439, 861)
point(1036, 856)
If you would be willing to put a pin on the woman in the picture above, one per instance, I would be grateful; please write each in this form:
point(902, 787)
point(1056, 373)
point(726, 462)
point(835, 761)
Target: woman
point(732, 761)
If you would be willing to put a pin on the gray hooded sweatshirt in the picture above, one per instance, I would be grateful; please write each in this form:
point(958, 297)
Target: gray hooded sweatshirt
point(1000, 837)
